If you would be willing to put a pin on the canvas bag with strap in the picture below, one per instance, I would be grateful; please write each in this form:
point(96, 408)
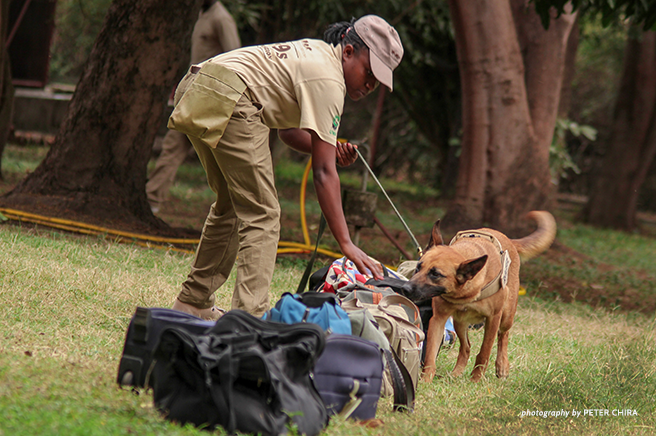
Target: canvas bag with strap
point(397, 317)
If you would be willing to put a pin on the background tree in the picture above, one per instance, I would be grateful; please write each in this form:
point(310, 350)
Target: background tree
point(6, 87)
point(511, 71)
point(615, 187)
point(97, 165)
point(614, 193)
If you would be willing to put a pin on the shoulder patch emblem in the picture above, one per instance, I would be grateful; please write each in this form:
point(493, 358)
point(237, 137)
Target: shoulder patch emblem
point(335, 126)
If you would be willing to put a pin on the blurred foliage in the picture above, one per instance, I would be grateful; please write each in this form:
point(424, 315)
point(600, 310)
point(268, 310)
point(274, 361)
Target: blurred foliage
point(78, 23)
point(599, 63)
point(642, 12)
point(598, 69)
point(561, 163)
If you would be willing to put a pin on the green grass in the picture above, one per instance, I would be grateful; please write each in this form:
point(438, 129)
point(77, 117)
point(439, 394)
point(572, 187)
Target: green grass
point(66, 301)
point(612, 247)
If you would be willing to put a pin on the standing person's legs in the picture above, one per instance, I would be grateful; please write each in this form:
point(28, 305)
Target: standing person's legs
point(175, 148)
point(250, 219)
point(217, 249)
point(245, 158)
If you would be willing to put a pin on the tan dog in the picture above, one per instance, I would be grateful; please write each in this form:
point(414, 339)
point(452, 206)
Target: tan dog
point(475, 279)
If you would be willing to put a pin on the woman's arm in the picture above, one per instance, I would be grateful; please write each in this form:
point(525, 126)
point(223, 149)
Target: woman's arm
point(298, 139)
point(301, 140)
point(328, 188)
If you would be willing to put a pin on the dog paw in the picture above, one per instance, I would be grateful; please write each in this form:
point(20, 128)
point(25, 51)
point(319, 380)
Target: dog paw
point(478, 373)
point(502, 373)
point(502, 370)
point(427, 375)
point(476, 377)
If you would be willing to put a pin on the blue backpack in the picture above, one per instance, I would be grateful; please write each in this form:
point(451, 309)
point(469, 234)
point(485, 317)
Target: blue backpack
point(319, 308)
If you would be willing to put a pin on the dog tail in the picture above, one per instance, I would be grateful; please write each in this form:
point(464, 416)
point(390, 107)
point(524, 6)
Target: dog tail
point(540, 240)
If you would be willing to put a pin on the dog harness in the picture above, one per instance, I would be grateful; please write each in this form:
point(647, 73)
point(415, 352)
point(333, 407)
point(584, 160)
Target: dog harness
point(500, 280)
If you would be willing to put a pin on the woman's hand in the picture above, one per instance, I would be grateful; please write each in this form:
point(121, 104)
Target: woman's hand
point(363, 263)
point(346, 153)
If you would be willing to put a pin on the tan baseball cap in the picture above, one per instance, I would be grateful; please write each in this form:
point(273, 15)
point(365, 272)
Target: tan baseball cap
point(385, 48)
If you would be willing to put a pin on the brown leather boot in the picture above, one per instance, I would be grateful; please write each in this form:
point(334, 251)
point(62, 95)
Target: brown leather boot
point(210, 314)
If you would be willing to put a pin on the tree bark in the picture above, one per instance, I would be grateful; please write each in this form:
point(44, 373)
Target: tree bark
point(511, 74)
point(632, 145)
point(97, 165)
point(6, 86)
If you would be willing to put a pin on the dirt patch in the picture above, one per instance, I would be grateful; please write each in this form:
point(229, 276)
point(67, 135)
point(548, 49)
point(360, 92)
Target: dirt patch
point(611, 290)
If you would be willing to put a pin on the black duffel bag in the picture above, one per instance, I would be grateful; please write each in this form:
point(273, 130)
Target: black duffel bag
point(142, 336)
point(244, 374)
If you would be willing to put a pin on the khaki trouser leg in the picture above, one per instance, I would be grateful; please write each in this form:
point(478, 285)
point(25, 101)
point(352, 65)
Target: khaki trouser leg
point(175, 147)
point(217, 249)
point(241, 166)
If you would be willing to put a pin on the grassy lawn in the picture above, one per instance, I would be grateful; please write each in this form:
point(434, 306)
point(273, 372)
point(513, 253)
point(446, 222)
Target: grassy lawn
point(66, 301)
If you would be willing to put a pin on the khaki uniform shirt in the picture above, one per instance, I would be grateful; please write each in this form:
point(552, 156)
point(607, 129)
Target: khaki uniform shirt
point(299, 83)
point(215, 32)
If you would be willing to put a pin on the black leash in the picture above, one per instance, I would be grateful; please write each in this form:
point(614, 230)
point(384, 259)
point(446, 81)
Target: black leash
point(398, 214)
point(308, 269)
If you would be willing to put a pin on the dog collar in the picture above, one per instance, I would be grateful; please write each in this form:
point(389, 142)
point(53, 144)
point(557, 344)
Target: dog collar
point(502, 278)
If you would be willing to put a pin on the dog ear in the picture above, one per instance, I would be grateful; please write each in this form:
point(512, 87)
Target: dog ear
point(436, 236)
point(469, 268)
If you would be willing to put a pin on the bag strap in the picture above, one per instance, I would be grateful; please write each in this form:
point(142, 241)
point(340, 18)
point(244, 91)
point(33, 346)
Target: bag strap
point(308, 269)
point(404, 392)
point(227, 375)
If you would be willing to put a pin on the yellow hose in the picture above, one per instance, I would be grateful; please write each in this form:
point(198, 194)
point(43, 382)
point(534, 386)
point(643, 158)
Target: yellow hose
point(162, 242)
point(87, 228)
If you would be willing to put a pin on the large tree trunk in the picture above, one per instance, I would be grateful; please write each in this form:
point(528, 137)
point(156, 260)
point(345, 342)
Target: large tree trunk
point(632, 145)
point(511, 72)
point(97, 165)
point(6, 87)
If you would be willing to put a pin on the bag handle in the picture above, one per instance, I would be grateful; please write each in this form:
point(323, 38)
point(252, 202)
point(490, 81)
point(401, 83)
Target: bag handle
point(308, 269)
point(353, 402)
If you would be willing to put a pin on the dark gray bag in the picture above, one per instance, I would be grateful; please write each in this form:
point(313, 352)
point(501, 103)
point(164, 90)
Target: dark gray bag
point(244, 374)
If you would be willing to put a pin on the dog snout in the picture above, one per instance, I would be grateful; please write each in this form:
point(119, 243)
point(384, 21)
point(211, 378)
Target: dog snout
point(407, 290)
point(420, 293)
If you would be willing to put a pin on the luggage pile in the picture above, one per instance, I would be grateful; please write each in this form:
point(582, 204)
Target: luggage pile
point(333, 350)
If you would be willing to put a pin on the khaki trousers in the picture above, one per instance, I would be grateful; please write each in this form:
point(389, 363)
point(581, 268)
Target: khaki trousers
point(244, 222)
